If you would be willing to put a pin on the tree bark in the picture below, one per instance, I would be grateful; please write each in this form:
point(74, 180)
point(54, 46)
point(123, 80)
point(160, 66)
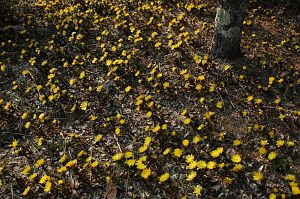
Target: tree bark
point(228, 29)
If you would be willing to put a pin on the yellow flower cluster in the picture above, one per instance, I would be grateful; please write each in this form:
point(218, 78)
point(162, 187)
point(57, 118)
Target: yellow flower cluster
point(124, 90)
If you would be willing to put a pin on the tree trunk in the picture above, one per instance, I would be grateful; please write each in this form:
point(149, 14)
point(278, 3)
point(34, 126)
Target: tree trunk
point(228, 29)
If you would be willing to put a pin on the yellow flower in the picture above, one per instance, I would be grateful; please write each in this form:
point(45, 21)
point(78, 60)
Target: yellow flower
point(128, 154)
point(272, 156)
point(153, 34)
point(201, 77)
point(271, 79)
point(25, 192)
point(7, 106)
point(227, 180)
point(3, 67)
point(32, 176)
point(108, 62)
point(122, 121)
point(14, 143)
point(178, 153)
point(44, 178)
point(212, 88)
point(272, 196)
point(118, 131)
point(118, 116)
point(148, 97)
point(60, 182)
point(197, 190)
point(73, 108)
point(140, 165)
point(219, 105)
point(88, 159)
point(130, 162)
point(293, 184)
point(196, 139)
point(280, 143)
point(192, 165)
point(201, 164)
point(166, 85)
point(295, 190)
point(147, 140)
point(95, 164)
point(156, 128)
point(166, 151)
point(226, 67)
point(221, 165)
point(290, 143)
point(146, 173)
point(24, 116)
point(47, 188)
point(51, 76)
point(211, 165)
point(84, 105)
point(257, 176)
point(191, 176)
point(39, 162)
point(42, 116)
point(147, 128)
point(40, 141)
point(290, 177)
point(250, 98)
point(63, 158)
point(208, 115)
point(157, 45)
point(82, 75)
point(27, 125)
point(189, 158)
point(143, 158)
point(198, 87)
point(197, 59)
point(44, 62)
point(149, 114)
point(281, 116)
point(71, 163)
point(264, 142)
point(217, 152)
point(237, 167)
point(236, 158)
point(62, 169)
point(143, 148)
point(236, 142)
point(187, 121)
point(185, 142)
point(262, 150)
point(164, 177)
point(127, 89)
point(98, 138)
point(117, 156)
point(26, 170)
point(258, 101)
point(93, 117)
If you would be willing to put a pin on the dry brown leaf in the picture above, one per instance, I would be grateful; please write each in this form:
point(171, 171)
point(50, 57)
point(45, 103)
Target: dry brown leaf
point(111, 191)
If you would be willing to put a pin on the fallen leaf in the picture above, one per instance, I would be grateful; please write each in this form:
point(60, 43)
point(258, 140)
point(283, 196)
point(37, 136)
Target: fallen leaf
point(111, 191)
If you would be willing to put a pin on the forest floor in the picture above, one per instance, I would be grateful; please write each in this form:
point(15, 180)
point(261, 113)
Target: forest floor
point(120, 99)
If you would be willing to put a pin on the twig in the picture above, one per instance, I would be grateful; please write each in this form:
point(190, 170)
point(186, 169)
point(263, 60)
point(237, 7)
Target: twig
point(118, 143)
